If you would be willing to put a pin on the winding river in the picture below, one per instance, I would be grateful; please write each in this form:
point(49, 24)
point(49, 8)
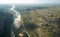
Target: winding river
point(17, 20)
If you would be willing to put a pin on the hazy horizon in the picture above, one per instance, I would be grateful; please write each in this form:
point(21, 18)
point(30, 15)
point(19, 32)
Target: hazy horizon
point(28, 1)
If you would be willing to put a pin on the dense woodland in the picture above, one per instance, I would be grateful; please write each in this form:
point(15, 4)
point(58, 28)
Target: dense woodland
point(5, 23)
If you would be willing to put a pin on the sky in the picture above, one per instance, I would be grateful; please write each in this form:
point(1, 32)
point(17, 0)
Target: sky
point(28, 1)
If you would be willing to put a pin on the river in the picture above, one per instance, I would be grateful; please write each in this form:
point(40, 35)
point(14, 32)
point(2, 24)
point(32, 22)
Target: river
point(17, 20)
